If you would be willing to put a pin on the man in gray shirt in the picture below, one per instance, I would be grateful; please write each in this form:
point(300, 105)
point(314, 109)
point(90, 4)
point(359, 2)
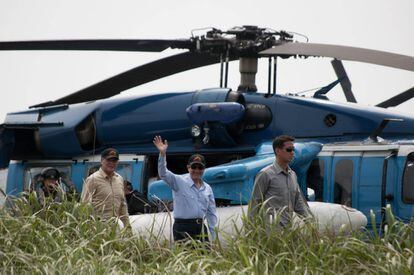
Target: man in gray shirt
point(276, 187)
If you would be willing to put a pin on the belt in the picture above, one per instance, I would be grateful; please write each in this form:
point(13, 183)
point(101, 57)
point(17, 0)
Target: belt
point(193, 221)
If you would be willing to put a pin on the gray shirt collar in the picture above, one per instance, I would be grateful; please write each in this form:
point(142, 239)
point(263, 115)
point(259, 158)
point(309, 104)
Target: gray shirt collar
point(280, 169)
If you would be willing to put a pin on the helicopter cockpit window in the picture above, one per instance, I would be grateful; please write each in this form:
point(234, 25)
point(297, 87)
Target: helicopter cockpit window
point(408, 180)
point(343, 182)
point(31, 177)
point(315, 178)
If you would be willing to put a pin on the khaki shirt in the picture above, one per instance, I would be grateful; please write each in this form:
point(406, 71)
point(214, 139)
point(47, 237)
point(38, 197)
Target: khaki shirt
point(278, 188)
point(106, 195)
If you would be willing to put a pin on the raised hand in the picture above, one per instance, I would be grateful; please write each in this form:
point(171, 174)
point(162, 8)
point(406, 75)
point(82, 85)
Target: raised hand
point(161, 146)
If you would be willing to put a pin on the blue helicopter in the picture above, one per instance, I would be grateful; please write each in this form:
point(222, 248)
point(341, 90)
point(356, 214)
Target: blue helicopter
point(233, 129)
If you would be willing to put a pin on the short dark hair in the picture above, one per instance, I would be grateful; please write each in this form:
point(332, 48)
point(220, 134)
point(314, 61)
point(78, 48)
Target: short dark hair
point(279, 141)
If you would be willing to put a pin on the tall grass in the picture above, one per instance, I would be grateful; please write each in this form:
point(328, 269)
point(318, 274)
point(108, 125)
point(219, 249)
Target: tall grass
point(66, 238)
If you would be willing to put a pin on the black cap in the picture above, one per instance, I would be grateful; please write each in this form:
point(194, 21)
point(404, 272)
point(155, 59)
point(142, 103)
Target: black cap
point(197, 159)
point(110, 153)
point(50, 173)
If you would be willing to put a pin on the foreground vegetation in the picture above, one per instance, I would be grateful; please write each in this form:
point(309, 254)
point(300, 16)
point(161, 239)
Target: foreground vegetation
point(65, 238)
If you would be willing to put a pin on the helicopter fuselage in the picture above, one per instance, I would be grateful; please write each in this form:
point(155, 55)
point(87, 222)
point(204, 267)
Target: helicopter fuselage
point(130, 124)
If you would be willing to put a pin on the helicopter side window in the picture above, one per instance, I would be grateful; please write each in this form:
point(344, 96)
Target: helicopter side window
point(92, 169)
point(125, 170)
point(31, 177)
point(408, 180)
point(315, 178)
point(343, 182)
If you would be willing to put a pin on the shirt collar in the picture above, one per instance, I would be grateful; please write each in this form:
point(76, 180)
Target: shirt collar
point(280, 169)
point(203, 186)
point(104, 175)
point(193, 184)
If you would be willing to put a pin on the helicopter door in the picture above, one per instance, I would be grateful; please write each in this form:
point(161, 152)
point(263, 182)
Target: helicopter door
point(370, 184)
point(403, 203)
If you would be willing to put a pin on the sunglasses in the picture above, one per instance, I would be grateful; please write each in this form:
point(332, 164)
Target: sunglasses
point(289, 149)
point(197, 166)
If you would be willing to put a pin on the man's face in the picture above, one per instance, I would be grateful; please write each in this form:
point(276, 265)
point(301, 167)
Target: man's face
point(286, 153)
point(109, 165)
point(50, 184)
point(196, 171)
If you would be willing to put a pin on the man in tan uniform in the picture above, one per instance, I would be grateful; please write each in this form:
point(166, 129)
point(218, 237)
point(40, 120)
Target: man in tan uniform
point(105, 189)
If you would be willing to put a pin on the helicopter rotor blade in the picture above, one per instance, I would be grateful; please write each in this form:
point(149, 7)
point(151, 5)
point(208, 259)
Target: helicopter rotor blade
point(344, 80)
point(138, 76)
point(145, 45)
point(388, 59)
point(398, 99)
